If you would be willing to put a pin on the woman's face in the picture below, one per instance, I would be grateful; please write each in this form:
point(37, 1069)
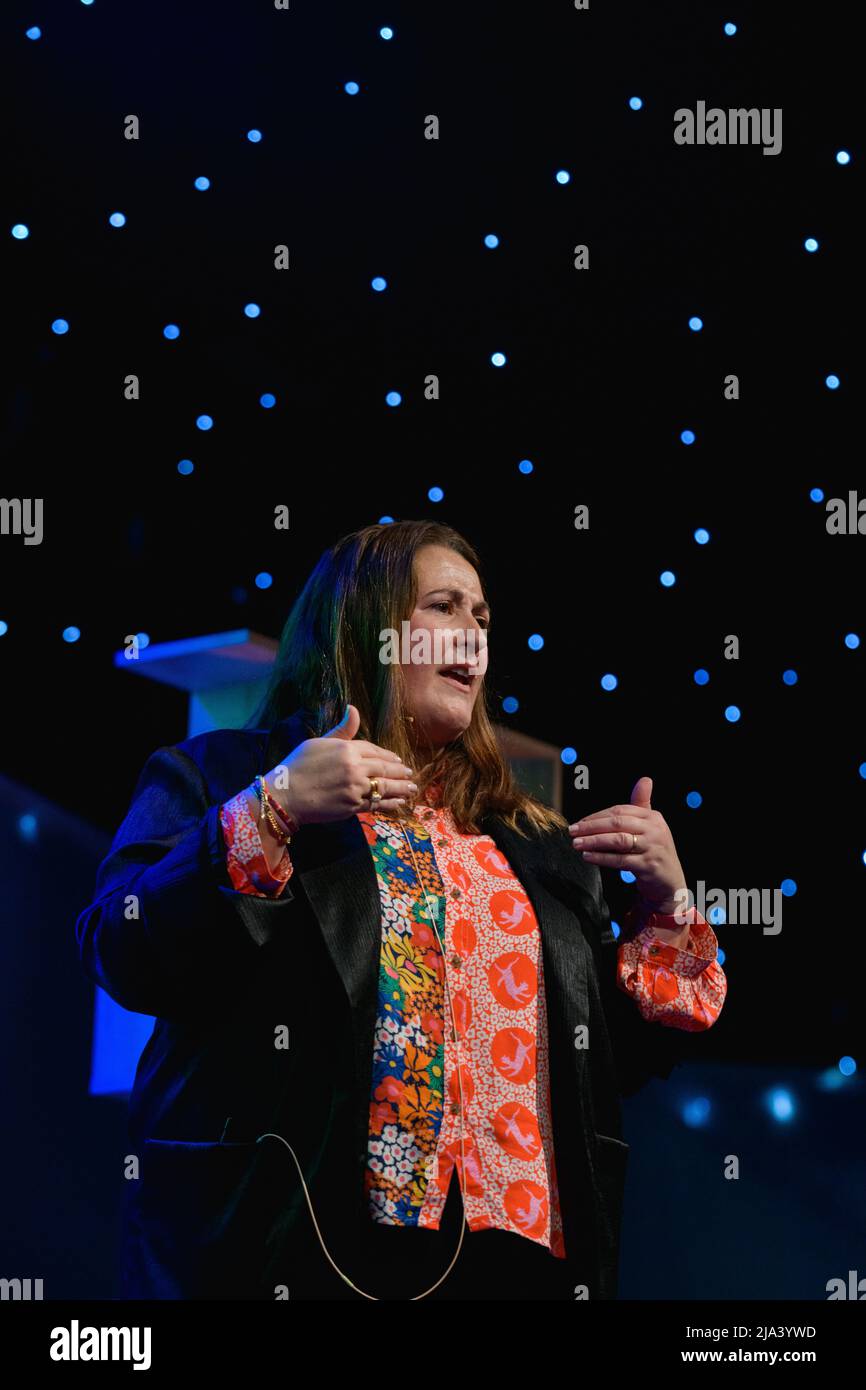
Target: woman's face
point(449, 601)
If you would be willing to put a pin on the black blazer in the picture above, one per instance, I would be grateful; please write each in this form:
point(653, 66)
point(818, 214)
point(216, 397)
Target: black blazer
point(213, 1212)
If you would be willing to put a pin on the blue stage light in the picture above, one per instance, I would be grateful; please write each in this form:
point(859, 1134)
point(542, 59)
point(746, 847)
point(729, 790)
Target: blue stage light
point(687, 436)
point(352, 89)
point(71, 634)
point(510, 705)
point(635, 103)
point(732, 714)
point(60, 326)
point(385, 520)
point(696, 324)
point(393, 398)
point(695, 1112)
point(185, 466)
point(831, 382)
point(780, 1103)
point(34, 32)
point(535, 642)
point(386, 33)
point(609, 682)
point(563, 176)
point(789, 677)
point(667, 579)
point(498, 359)
point(843, 157)
point(817, 494)
point(701, 676)
point(625, 874)
point(202, 183)
point(720, 955)
point(254, 136)
point(20, 231)
point(268, 400)
point(568, 756)
point(379, 284)
point(716, 916)
point(616, 929)
point(264, 580)
point(847, 1066)
point(810, 244)
point(252, 311)
point(28, 827)
point(435, 494)
point(491, 240)
point(694, 799)
point(117, 219)
point(526, 465)
point(852, 641)
point(788, 887)
point(730, 30)
point(171, 331)
point(204, 422)
point(4, 628)
point(702, 535)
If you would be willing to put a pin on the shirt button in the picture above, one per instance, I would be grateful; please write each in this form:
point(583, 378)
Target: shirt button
point(456, 961)
point(455, 1107)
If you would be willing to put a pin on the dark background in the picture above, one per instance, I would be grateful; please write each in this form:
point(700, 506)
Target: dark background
point(602, 375)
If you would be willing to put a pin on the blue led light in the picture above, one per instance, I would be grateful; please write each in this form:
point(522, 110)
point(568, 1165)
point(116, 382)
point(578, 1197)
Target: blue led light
point(635, 103)
point(696, 324)
point(810, 244)
point(730, 30)
point(264, 580)
point(498, 359)
point(71, 634)
point(695, 1113)
point(252, 311)
point(185, 467)
point(4, 628)
point(609, 682)
point(843, 157)
point(717, 916)
point(386, 33)
point(568, 756)
point(817, 494)
point(687, 436)
point(862, 770)
point(254, 136)
point(625, 874)
point(435, 494)
point(393, 398)
point(171, 330)
point(847, 1066)
point(732, 714)
point(535, 642)
point(379, 284)
point(351, 88)
point(117, 219)
point(60, 326)
point(267, 400)
point(852, 641)
point(831, 382)
point(780, 1104)
point(789, 677)
point(491, 240)
point(204, 422)
point(615, 928)
point(702, 535)
point(34, 32)
point(788, 887)
point(202, 183)
point(385, 520)
point(563, 176)
point(667, 579)
point(510, 705)
point(694, 799)
point(28, 827)
point(526, 465)
point(20, 231)
point(720, 956)
point(701, 677)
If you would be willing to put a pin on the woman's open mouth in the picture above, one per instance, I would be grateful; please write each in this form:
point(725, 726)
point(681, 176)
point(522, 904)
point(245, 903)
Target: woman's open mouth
point(457, 676)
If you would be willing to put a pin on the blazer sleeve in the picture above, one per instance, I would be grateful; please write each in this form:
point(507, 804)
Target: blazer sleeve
point(167, 933)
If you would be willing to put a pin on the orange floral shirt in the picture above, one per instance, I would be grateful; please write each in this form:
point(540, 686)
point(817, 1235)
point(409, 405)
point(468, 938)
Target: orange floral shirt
point(500, 1140)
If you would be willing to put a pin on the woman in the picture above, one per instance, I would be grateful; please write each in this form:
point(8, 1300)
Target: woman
point(393, 1022)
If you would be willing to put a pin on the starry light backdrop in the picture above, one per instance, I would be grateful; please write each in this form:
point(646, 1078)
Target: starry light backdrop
point(409, 257)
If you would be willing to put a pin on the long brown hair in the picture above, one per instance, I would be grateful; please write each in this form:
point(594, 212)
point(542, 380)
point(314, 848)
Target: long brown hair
point(329, 657)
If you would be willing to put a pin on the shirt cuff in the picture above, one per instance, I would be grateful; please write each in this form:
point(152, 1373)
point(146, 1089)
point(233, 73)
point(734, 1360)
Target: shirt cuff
point(246, 862)
point(680, 987)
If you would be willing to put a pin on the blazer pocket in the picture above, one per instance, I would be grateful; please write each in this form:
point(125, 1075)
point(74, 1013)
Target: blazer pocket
point(202, 1213)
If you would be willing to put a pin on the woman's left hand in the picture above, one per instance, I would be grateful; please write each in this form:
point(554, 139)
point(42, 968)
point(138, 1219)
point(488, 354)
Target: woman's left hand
point(605, 838)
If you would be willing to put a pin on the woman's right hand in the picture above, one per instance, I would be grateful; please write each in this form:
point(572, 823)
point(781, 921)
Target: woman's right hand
point(328, 778)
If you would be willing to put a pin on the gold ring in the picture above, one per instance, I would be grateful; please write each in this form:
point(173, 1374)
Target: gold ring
point(375, 794)
point(633, 842)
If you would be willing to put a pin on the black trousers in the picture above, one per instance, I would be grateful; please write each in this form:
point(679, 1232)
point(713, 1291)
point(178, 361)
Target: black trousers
point(401, 1262)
